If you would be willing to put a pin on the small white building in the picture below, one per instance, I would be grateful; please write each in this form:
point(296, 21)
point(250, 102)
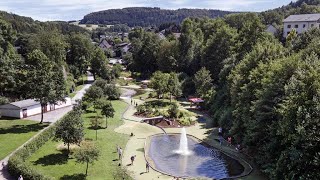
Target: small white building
point(30, 107)
point(301, 23)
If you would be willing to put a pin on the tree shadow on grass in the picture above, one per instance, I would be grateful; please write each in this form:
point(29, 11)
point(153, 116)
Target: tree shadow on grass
point(52, 159)
point(19, 129)
point(74, 177)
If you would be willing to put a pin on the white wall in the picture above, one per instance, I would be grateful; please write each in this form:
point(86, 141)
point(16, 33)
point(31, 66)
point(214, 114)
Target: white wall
point(11, 113)
point(300, 28)
point(61, 104)
point(33, 110)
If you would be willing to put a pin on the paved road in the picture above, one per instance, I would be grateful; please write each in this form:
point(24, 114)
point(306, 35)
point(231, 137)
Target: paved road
point(51, 116)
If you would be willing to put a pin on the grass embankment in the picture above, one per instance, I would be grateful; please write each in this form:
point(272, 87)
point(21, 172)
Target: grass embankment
point(13, 133)
point(54, 163)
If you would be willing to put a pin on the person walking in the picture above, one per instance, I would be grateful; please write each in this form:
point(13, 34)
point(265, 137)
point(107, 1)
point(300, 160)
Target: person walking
point(120, 153)
point(220, 131)
point(147, 167)
point(20, 177)
point(132, 159)
point(229, 141)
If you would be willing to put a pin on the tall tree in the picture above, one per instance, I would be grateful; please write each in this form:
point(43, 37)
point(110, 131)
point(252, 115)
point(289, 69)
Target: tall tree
point(107, 110)
point(87, 153)
point(44, 83)
point(70, 129)
point(79, 52)
point(203, 83)
point(174, 85)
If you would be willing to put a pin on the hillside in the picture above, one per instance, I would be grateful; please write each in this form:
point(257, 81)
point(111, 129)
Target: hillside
point(26, 25)
point(144, 16)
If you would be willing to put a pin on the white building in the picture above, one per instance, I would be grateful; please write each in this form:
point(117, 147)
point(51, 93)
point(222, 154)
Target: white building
point(29, 107)
point(301, 23)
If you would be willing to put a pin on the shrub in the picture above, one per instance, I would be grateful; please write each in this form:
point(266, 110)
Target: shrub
point(141, 109)
point(16, 163)
point(173, 111)
point(152, 94)
point(3, 100)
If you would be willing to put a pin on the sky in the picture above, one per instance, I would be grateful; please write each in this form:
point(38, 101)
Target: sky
point(47, 10)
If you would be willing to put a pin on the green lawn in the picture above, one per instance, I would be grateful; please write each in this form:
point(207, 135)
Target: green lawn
point(53, 163)
point(13, 133)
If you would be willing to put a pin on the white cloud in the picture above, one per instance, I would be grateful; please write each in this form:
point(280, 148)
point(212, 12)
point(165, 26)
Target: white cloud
point(76, 9)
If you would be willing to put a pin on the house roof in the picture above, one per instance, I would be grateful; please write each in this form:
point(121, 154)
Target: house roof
point(25, 103)
point(302, 18)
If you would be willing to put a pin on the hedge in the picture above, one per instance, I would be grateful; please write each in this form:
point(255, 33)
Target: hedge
point(16, 163)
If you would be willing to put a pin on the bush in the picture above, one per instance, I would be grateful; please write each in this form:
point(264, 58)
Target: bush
point(173, 111)
point(141, 109)
point(3, 100)
point(152, 94)
point(16, 163)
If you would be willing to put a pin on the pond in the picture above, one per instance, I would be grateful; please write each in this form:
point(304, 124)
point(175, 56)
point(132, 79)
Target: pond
point(203, 161)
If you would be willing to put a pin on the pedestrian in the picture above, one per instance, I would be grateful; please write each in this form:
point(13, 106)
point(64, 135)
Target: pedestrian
point(147, 167)
point(131, 134)
point(131, 101)
point(229, 141)
point(220, 131)
point(136, 104)
point(120, 153)
point(132, 159)
point(238, 147)
point(220, 140)
point(20, 177)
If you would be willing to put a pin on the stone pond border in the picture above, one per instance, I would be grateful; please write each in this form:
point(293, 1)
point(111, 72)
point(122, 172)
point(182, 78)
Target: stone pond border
point(247, 167)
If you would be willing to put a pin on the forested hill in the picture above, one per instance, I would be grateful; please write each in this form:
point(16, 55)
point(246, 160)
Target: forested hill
point(144, 16)
point(26, 25)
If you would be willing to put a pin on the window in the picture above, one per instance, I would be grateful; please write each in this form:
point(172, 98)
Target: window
point(296, 26)
point(312, 25)
point(304, 25)
point(289, 26)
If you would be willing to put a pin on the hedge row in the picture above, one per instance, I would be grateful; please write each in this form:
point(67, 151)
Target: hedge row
point(16, 163)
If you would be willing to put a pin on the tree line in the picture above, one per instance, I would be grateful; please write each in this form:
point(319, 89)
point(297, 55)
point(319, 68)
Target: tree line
point(144, 16)
point(263, 91)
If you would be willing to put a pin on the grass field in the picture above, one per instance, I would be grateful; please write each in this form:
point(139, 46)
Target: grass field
point(52, 162)
point(13, 133)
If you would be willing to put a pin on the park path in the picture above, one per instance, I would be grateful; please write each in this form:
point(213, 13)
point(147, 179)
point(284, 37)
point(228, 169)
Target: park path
point(51, 117)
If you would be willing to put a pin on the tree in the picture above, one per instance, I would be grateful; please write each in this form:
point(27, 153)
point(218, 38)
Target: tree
point(79, 52)
point(96, 123)
point(107, 110)
point(219, 47)
point(70, 129)
point(44, 80)
point(159, 82)
point(203, 83)
point(92, 94)
point(87, 153)
point(98, 62)
point(174, 86)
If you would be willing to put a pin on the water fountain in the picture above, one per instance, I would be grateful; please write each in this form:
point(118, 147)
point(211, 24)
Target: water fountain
point(183, 148)
point(182, 155)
